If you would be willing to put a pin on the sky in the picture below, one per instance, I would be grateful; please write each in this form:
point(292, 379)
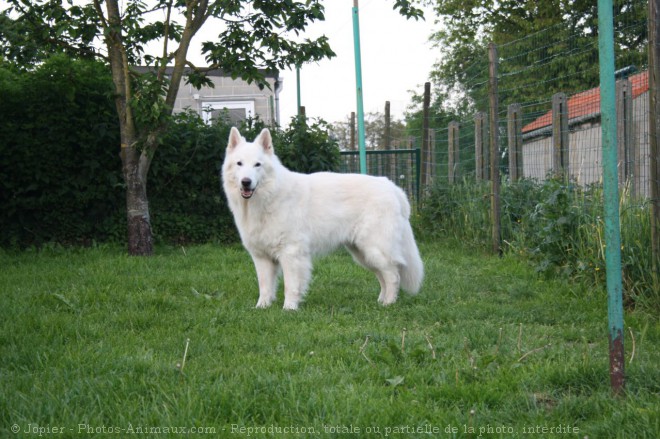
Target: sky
point(396, 58)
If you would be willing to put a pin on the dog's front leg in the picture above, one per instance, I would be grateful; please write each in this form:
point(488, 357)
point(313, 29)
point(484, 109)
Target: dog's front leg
point(267, 271)
point(297, 270)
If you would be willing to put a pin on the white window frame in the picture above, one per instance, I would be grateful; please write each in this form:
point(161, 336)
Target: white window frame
point(248, 106)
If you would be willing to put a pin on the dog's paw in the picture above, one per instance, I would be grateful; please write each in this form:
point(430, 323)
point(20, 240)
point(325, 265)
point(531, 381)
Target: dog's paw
point(263, 303)
point(290, 305)
point(387, 301)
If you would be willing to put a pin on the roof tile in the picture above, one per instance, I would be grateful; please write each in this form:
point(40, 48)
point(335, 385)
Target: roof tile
point(588, 102)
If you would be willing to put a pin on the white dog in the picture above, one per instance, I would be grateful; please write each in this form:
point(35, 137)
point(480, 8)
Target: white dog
point(286, 218)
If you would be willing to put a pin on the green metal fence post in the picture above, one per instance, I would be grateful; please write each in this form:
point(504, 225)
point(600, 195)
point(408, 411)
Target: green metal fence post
point(611, 194)
point(358, 81)
point(298, 90)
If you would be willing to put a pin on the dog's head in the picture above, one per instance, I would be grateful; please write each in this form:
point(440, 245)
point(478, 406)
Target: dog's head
point(246, 163)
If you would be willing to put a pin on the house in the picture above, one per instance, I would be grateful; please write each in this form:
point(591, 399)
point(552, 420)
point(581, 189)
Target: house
point(583, 139)
point(233, 99)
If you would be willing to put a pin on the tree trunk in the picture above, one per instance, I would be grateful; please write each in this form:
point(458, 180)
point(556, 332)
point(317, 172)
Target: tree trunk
point(135, 165)
point(134, 168)
point(136, 161)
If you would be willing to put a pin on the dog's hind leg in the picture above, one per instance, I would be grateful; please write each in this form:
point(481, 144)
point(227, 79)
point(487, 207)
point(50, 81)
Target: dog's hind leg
point(297, 271)
point(359, 258)
point(267, 272)
point(391, 280)
point(380, 264)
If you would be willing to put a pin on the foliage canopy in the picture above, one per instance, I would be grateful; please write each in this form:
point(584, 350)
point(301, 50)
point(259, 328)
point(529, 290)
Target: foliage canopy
point(543, 47)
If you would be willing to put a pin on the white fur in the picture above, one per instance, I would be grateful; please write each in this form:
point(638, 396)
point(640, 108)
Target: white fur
point(290, 217)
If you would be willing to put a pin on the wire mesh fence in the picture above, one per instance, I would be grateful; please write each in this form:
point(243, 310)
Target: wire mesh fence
point(549, 151)
point(402, 166)
point(551, 78)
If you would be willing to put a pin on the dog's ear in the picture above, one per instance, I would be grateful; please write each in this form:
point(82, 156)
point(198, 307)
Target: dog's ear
point(234, 138)
point(265, 140)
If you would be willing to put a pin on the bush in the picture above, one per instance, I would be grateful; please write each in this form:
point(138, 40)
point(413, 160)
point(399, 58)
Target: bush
point(556, 230)
point(459, 211)
point(308, 148)
point(557, 225)
point(301, 147)
point(60, 171)
point(185, 195)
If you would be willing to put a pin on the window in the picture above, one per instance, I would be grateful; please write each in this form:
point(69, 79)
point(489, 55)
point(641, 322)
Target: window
point(232, 112)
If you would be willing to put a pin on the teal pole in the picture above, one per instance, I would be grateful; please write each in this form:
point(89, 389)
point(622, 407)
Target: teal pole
point(611, 194)
point(298, 88)
point(358, 81)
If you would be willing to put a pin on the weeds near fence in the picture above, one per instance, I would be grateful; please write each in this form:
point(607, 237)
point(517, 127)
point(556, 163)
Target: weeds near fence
point(640, 280)
point(556, 224)
point(459, 211)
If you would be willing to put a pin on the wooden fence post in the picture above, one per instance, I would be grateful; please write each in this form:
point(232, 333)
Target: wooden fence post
point(654, 128)
point(452, 153)
point(481, 146)
point(388, 128)
point(514, 131)
point(560, 151)
point(425, 132)
point(624, 126)
point(430, 157)
point(352, 145)
point(494, 124)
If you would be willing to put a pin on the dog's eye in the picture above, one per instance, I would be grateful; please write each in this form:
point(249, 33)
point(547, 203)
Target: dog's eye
point(256, 165)
point(239, 163)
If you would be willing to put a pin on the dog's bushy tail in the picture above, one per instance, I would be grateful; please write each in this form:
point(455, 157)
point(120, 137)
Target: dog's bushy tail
point(412, 272)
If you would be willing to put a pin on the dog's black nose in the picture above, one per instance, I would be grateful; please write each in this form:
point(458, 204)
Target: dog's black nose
point(246, 182)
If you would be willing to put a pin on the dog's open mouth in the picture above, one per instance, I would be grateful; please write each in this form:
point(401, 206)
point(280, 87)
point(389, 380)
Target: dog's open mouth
point(246, 192)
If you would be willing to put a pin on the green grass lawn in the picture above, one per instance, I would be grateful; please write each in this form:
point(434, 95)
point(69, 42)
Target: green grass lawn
point(92, 343)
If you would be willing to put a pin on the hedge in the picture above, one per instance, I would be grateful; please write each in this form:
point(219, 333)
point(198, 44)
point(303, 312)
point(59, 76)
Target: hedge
point(60, 171)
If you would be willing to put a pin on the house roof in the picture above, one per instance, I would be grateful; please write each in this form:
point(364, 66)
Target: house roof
point(588, 103)
point(215, 72)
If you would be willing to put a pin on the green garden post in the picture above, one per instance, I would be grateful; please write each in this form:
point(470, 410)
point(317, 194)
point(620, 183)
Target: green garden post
point(358, 81)
point(611, 194)
point(298, 90)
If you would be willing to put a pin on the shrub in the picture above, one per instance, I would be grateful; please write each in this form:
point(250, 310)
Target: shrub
point(302, 147)
point(459, 211)
point(558, 227)
point(308, 147)
point(60, 171)
point(556, 224)
point(185, 195)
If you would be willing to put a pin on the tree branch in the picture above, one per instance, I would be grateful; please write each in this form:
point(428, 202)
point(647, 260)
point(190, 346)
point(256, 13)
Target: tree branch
point(99, 10)
point(163, 63)
point(195, 16)
point(120, 70)
point(200, 15)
